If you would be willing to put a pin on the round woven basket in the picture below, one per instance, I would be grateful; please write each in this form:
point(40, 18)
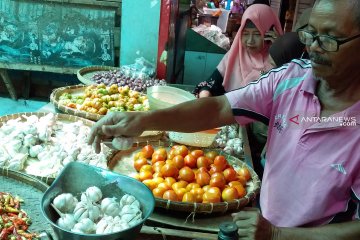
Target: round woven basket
point(86, 74)
point(30, 190)
point(59, 117)
point(122, 162)
point(74, 89)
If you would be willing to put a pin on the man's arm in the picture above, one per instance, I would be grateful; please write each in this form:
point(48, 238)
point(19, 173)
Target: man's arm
point(200, 114)
point(253, 226)
point(196, 115)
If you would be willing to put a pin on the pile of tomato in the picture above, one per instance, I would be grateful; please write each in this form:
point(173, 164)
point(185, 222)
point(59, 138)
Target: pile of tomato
point(189, 175)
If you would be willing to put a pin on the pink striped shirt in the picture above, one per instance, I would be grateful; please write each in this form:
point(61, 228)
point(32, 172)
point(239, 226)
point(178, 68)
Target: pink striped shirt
point(313, 163)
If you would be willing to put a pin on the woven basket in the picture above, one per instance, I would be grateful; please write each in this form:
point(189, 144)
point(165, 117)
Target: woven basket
point(86, 74)
point(122, 162)
point(109, 153)
point(30, 190)
point(75, 89)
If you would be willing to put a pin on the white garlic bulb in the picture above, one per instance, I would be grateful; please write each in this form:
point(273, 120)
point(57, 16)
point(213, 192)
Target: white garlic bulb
point(66, 221)
point(84, 226)
point(93, 193)
point(129, 213)
point(86, 210)
point(29, 140)
point(110, 207)
point(128, 199)
point(65, 202)
point(35, 150)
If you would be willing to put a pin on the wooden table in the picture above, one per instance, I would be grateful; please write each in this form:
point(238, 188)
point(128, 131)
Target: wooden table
point(164, 224)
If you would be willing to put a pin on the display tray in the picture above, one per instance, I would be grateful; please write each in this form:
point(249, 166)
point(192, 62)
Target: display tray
point(86, 74)
point(63, 118)
point(122, 162)
point(30, 190)
point(74, 90)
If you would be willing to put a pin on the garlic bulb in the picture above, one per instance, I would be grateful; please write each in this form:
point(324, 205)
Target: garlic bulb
point(35, 150)
point(128, 199)
point(93, 193)
point(84, 226)
point(108, 224)
point(65, 202)
point(66, 221)
point(86, 210)
point(129, 213)
point(29, 140)
point(110, 207)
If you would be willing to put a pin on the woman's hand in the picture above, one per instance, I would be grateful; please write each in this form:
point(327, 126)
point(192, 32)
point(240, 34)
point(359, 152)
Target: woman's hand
point(118, 125)
point(253, 226)
point(271, 35)
point(204, 93)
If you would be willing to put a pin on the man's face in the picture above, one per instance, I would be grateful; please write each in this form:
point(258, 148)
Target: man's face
point(335, 19)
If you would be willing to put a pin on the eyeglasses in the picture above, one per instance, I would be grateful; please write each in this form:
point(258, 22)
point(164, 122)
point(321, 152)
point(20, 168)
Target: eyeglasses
point(327, 43)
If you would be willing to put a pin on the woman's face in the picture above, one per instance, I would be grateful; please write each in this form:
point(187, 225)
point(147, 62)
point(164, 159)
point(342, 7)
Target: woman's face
point(252, 40)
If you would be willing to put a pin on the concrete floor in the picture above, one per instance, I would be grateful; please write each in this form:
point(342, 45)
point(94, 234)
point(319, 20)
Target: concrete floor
point(10, 106)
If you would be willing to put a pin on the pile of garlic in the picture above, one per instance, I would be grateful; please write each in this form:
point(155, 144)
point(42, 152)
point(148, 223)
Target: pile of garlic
point(96, 215)
point(228, 138)
point(44, 145)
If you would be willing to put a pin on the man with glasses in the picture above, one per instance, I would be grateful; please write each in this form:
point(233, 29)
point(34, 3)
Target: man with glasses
point(312, 174)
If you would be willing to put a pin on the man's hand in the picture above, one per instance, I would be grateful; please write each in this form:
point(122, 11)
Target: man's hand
point(117, 124)
point(253, 226)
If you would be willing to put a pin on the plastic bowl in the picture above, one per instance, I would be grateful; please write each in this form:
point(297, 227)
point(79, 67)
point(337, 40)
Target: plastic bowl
point(76, 177)
point(164, 96)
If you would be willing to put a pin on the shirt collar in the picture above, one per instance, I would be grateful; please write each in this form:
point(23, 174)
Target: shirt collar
point(309, 83)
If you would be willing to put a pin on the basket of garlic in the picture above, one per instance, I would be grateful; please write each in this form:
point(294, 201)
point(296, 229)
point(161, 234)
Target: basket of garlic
point(41, 144)
point(98, 205)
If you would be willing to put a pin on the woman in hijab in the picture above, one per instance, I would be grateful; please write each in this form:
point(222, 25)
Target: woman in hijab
point(248, 56)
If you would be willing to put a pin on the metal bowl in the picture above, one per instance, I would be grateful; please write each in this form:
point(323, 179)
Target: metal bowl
point(76, 177)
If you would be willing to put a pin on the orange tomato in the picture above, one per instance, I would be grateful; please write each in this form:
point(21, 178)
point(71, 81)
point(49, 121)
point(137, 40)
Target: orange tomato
point(190, 161)
point(139, 163)
point(245, 173)
point(211, 155)
point(214, 169)
point(202, 161)
point(138, 155)
point(178, 160)
point(197, 153)
point(192, 186)
point(146, 168)
point(188, 197)
point(209, 197)
point(170, 181)
point(147, 151)
point(158, 180)
point(157, 166)
point(149, 183)
point(171, 154)
point(157, 158)
point(207, 187)
point(161, 151)
point(203, 169)
point(202, 178)
point(186, 174)
point(145, 175)
point(229, 194)
point(230, 174)
point(169, 170)
point(220, 161)
point(157, 174)
point(241, 190)
point(180, 192)
point(170, 195)
point(179, 184)
point(181, 150)
point(164, 185)
point(233, 183)
point(158, 192)
point(214, 190)
point(217, 181)
point(198, 193)
point(241, 179)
